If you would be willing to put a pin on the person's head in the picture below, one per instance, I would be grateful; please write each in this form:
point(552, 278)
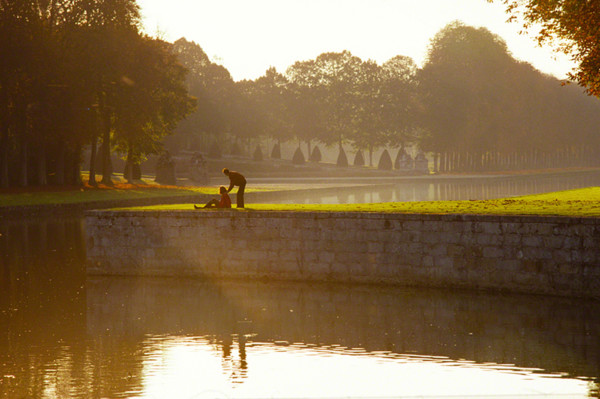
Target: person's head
point(226, 171)
point(222, 190)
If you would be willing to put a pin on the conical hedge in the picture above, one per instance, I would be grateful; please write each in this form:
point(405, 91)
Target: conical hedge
point(385, 162)
point(342, 160)
point(257, 156)
point(316, 155)
point(298, 158)
point(359, 160)
point(276, 152)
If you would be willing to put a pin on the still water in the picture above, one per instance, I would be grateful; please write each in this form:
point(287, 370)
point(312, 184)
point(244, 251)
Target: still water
point(431, 188)
point(66, 335)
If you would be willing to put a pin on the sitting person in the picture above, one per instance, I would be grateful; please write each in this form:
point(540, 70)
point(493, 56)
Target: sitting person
point(225, 201)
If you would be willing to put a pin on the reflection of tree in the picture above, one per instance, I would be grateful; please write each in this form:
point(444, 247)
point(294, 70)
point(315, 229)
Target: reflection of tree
point(386, 194)
point(343, 197)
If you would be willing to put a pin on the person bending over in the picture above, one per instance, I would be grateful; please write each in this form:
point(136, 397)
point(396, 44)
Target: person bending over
point(236, 179)
point(225, 201)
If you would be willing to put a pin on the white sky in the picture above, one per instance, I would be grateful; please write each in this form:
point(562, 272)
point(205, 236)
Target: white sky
point(249, 36)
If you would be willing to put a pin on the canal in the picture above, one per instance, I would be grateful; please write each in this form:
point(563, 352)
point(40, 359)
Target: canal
point(67, 335)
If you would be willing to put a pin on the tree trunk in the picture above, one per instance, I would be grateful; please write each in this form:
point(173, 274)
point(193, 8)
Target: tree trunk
point(92, 178)
point(4, 156)
point(21, 130)
point(60, 165)
point(75, 167)
point(129, 165)
point(106, 162)
point(41, 166)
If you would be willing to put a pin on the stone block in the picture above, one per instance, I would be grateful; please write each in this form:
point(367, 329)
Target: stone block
point(537, 253)
point(450, 237)
point(413, 225)
point(573, 242)
point(432, 226)
point(374, 247)
point(532, 241)
point(444, 262)
point(455, 250)
point(491, 228)
point(492, 252)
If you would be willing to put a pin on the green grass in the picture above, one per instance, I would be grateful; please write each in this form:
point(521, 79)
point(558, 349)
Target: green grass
point(581, 202)
point(85, 194)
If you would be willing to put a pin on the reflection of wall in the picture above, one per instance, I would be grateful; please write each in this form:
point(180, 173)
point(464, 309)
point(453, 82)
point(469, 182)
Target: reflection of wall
point(555, 255)
point(552, 333)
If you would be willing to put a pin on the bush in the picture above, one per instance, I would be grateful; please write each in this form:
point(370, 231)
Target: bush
point(257, 156)
point(298, 158)
point(276, 152)
point(342, 160)
point(385, 162)
point(316, 154)
point(358, 159)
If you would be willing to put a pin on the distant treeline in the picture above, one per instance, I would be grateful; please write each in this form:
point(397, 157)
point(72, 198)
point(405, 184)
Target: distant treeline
point(472, 106)
point(77, 74)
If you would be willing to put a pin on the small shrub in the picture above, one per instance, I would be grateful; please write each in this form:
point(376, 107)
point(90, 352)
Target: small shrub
point(359, 160)
point(298, 158)
point(385, 162)
point(276, 152)
point(257, 156)
point(342, 160)
point(316, 155)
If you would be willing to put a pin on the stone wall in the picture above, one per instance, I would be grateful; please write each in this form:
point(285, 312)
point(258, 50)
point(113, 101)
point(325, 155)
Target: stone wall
point(547, 255)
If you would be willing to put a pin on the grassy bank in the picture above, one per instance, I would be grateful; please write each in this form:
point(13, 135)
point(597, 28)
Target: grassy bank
point(579, 203)
point(120, 191)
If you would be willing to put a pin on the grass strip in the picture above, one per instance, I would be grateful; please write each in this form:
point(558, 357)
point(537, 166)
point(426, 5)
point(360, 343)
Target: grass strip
point(576, 203)
point(86, 193)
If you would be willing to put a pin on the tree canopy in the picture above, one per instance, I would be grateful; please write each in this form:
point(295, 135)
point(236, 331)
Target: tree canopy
point(73, 72)
point(571, 26)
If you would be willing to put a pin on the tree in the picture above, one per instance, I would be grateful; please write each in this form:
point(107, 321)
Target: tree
point(461, 87)
point(571, 26)
point(151, 99)
point(215, 92)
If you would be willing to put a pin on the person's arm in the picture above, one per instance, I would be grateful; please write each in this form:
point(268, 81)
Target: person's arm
point(230, 185)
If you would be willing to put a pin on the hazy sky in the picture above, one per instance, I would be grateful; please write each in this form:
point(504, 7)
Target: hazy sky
point(249, 36)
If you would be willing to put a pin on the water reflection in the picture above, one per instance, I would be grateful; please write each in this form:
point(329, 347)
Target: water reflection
point(312, 332)
point(435, 189)
point(67, 336)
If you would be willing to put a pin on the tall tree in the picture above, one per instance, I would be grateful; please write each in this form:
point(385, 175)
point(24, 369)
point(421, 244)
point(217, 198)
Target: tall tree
point(211, 84)
point(151, 99)
point(571, 26)
point(461, 85)
point(333, 78)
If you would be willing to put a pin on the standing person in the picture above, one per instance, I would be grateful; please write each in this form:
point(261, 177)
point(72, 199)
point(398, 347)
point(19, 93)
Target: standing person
point(225, 201)
point(236, 179)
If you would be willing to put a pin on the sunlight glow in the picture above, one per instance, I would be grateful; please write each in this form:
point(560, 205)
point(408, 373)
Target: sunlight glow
point(188, 367)
point(249, 36)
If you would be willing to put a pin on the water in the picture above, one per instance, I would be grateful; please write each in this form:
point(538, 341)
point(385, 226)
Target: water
point(347, 191)
point(65, 335)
